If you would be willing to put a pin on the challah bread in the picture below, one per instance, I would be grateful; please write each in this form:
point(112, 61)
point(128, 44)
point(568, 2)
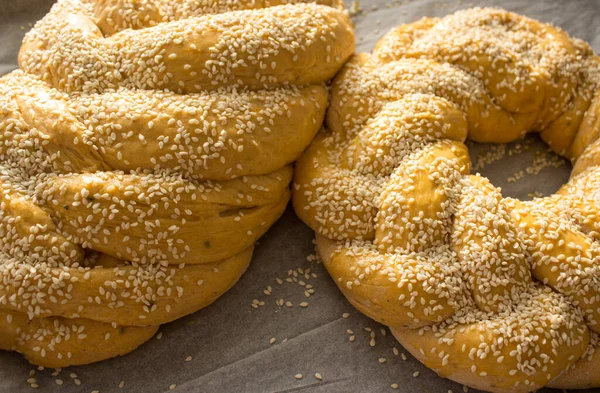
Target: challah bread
point(495, 293)
point(145, 146)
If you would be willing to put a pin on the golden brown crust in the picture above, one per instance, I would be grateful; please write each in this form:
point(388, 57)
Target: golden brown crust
point(488, 374)
point(584, 374)
point(144, 147)
point(103, 293)
point(491, 292)
point(204, 136)
point(212, 221)
point(191, 53)
point(58, 342)
point(377, 296)
point(589, 158)
point(112, 16)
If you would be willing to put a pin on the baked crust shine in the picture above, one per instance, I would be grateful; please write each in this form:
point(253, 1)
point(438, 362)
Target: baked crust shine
point(492, 292)
point(144, 147)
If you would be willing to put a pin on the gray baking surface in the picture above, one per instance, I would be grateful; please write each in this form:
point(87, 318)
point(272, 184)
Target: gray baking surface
point(229, 342)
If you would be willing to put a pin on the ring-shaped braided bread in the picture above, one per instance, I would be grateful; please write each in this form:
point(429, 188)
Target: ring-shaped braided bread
point(144, 147)
point(492, 292)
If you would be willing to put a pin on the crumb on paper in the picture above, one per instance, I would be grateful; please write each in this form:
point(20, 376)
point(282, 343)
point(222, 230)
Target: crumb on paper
point(355, 8)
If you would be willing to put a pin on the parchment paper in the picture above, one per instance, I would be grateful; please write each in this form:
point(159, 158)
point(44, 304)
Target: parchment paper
point(229, 342)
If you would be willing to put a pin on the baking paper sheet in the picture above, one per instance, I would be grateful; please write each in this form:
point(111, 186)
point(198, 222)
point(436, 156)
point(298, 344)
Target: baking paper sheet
point(229, 342)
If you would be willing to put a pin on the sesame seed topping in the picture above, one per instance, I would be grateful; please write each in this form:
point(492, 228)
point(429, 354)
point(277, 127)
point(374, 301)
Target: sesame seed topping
point(473, 278)
point(129, 185)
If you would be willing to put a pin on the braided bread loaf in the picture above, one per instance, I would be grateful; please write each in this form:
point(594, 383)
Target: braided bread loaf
point(144, 147)
point(492, 292)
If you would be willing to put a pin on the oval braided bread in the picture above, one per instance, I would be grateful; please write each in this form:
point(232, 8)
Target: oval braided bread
point(144, 147)
point(492, 292)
